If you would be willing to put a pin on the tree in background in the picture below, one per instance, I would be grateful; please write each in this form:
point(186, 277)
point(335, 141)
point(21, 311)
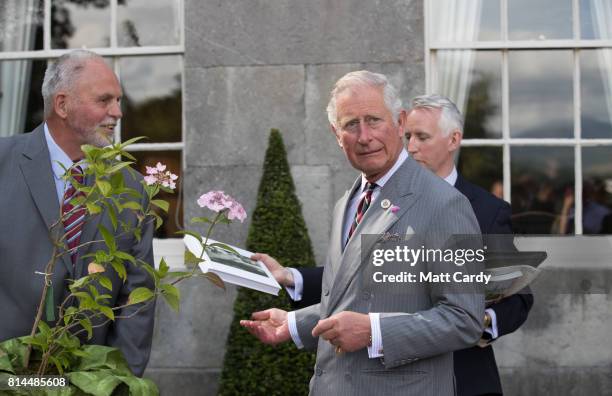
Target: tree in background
point(277, 229)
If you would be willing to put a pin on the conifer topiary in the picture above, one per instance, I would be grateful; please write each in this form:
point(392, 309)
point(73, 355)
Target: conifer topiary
point(278, 229)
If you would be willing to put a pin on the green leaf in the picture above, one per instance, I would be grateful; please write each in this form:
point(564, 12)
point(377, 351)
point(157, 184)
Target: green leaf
point(119, 166)
point(195, 220)
point(178, 274)
point(172, 296)
point(109, 239)
point(125, 256)
point(131, 141)
point(158, 220)
point(107, 311)
point(120, 269)
point(104, 186)
point(214, 279)
point(106, 283)
point(77, 284)
point(191, 259)
point(100, 383)
point(131, 205)
point(140, 294)
point(93, 208)
point(112, 211)
point(160, 203)
point(86, 323)
point(163, 268)
point(44, 328)
point(56, 362)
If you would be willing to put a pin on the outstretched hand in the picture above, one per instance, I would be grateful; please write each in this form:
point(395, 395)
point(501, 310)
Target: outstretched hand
point(270, 326)
point(280, 273)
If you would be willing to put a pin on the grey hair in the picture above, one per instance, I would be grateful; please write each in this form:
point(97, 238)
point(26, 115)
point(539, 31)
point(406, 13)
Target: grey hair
point(450, 116)
point(367, 78)
point(62, 74)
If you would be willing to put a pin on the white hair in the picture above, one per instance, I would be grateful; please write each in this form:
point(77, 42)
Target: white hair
point(367, 78)
point(63, 73)
point(450, 116)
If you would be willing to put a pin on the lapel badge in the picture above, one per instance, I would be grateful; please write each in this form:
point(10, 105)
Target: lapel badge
point(385, 204)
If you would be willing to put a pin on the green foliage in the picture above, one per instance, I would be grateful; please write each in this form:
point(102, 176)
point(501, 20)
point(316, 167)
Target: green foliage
point(278, 229)
point(97, 370)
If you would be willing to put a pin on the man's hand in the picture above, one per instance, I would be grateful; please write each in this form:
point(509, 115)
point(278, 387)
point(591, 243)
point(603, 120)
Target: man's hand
point(280, 273)
point(270, 326)
point(348, 330)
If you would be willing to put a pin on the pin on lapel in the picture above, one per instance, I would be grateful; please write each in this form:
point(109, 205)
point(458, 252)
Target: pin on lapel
point(385, 204)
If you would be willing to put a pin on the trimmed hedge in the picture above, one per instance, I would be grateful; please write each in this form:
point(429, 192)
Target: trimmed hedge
point(278, 229)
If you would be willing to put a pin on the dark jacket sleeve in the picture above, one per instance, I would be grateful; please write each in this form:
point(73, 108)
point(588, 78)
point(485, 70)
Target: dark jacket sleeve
point(311, 294)
point(511, 312)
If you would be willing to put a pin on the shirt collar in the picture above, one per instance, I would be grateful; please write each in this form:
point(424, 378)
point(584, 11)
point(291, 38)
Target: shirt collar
point(452, 178)
point(381, 182)
point(56, 155)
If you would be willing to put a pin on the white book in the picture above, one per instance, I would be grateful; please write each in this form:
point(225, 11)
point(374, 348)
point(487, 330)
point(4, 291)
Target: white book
point(233, 267)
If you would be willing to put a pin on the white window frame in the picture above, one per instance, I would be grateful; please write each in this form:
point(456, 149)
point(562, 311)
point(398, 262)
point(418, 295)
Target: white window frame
point(503, 46)
point(115, 52)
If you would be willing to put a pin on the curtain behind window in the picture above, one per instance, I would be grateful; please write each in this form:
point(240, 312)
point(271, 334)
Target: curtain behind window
point(18, 34)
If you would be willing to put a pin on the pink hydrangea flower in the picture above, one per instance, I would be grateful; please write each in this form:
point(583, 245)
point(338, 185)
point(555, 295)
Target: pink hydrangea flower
point(218, 201)
point(395, 209)
point(156, 175)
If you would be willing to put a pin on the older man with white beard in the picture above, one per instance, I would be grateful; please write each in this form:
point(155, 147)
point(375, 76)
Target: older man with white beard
point(82, 106)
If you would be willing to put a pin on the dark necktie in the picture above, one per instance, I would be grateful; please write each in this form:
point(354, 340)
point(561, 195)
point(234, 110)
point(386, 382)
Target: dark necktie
point(364, 204)
point(73, 224)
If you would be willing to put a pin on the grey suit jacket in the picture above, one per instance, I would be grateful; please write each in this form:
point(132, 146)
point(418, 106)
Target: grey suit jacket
point(28, 207)
point(421, 326)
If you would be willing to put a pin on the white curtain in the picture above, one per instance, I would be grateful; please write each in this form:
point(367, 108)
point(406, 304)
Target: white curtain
point(456, 21)
point(601, 15)
point(18, 34)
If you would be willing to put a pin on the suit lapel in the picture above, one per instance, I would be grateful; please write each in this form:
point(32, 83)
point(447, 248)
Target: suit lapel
point(37, 173)
point(377, 220)
point(337, 235)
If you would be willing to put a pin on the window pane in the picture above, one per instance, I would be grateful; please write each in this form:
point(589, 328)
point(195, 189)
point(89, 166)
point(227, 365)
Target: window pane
point(596, 93)
point(483, 115)
point(148, 22)
point(465, 20)
point(483, 167)
point(472, 79)
point(173, 220)
point(541, 94)
point(80, 23)
point(152, 98)
point(21, 106)
point(542, 180)
point(595, 17)
point(539, 19)
point(21, 23)
point(597, 190)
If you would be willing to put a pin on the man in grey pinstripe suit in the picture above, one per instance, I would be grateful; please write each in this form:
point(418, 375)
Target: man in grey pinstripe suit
point(370, 341)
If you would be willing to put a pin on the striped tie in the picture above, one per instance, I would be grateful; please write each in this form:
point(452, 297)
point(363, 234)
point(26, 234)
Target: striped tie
point(73, 216)
point(364, 204)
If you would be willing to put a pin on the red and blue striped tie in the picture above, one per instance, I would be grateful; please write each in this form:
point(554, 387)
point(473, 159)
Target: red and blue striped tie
point(364, 204)
point(73, 216)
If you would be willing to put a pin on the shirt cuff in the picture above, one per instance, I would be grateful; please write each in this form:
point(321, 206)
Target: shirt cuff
point(296, 291)
point(293, 330)
point(376, 349)
point(492, 330)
